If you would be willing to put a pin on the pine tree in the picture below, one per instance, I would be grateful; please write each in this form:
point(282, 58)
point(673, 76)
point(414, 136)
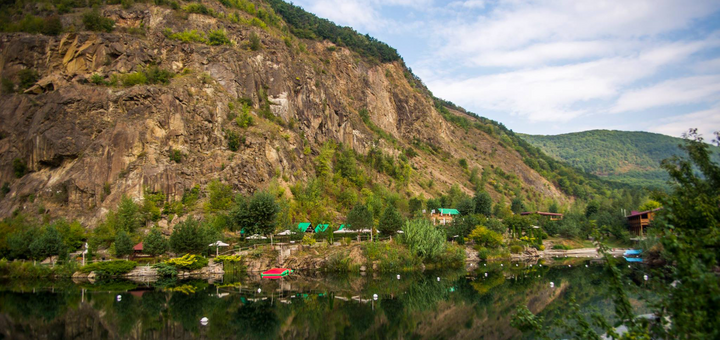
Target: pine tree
point(155, 243)
point(483, 203)
point(391, 221)
point(123, 244)
point(359, 218)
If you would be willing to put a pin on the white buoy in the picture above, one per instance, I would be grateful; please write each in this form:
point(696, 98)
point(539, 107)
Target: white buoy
point(438, 279)
point(586, 266)
point(259, 290)
point(501, 265)
point(516, 265)
point(645, 277)
point(375, 297)
point(552, 285)
point(540, 265)
point(530, 266)
point(204, 321)
point(485, 274)
point(118, 298)
point(398, 276)
point(484, 265)
point(569, 265)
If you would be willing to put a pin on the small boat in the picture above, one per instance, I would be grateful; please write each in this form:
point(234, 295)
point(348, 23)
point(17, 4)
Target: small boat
point(633, 255)
point(276, 273)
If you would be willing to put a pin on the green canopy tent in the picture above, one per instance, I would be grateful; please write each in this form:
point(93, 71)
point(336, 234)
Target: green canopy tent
point(321, 227)
point(305, 227)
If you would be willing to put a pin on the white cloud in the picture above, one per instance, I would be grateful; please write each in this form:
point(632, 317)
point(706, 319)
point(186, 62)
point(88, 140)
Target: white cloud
point(687, 90)
point(469, 4)
point(707, 122)
point(557, 93)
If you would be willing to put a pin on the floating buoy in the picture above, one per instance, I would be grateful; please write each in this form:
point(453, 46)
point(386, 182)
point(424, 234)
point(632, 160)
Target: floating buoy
point(398, 276)
point(586, 266)
point(552, 285)
point(628, 266)
point(516, 265)
point(540, 265)
point(259, 290)
point(484, 265)
point(375, 297)
point(119, 298)
point(530, 266)
point(569, 265)
point(204, 321)
point(485, 274)
point(645, 277)
point(501, 265)
point(438, 279)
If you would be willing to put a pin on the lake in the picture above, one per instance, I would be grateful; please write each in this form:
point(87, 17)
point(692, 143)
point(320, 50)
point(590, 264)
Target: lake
point(432, 305)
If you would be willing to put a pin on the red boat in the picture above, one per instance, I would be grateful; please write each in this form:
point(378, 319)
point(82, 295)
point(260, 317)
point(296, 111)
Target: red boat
point(276, 273)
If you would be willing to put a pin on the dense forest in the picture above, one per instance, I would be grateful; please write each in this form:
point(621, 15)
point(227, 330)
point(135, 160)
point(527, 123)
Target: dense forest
point(631, 157)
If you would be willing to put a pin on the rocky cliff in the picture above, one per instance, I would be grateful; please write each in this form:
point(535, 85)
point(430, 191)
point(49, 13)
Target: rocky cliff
point(86, 140)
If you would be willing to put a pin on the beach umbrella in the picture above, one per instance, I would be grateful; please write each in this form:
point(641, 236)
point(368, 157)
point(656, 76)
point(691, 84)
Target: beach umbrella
point(217, 245)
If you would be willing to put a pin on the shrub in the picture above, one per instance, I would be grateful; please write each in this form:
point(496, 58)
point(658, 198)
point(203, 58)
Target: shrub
point(52, 25)
point(484, 253)
point(7, 85)
point(185, 36)
point(254, 43)
point(135, 78)
point(156, 75)
point(95, 22)
point(19, 167)
point(217, 37)
point(423, 239)
point(4, 190)
point(28, 77)
point(561, 247)
point(176, 155)
point(97, 79)
point(308, 240)
point(198, 9)
point(188, 262)
point(390, 257)
point(123, 244)
point(516, 249)
point(110, 268)
point(485, 237)
point(191, 236)
point(165, 270)
point(228, 259)
point(233, 140)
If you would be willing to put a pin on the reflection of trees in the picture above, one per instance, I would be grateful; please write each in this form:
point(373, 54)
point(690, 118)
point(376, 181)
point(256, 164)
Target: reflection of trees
point(42, 305)
point(127, 313)
point(188, 309)
point(153, 304)
point(257, 319)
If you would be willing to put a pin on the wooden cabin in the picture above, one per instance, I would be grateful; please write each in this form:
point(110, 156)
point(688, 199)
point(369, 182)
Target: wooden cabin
point(638, 221)
point(553, 216)
point(443, 216)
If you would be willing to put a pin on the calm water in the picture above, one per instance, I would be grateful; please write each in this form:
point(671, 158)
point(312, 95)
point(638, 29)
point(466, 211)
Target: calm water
point(460, 305)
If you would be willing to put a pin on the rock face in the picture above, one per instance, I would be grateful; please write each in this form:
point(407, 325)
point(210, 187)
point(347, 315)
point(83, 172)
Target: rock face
point(86, 145)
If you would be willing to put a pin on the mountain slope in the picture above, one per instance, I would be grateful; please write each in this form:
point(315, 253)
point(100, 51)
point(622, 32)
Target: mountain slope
point(178, 94)
point(623, 156)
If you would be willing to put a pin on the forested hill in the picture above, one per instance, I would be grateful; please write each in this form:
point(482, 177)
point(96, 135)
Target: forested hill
point(624, 156)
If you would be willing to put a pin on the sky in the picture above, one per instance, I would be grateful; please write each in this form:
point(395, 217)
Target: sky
point(557, 66)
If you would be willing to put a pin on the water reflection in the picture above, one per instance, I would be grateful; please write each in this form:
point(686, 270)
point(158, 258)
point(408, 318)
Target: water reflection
point(460, 305)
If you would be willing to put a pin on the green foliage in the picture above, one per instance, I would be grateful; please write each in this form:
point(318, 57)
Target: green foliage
point(19, 167)
point(123, 244)
point(188, 262)
point(308, 240)
point(391, 257)
point(128, 216)
point(305, 25)
point(218, 37)
point(28, 77)
point(165, 270)
point(233, 140)
point(176, 155)
point(152, 202)
point(516, 249)
point(517, 206)
point(7, 85)
point(257, 215)
point(198, 8)
point(359, 218)
point(463, 163)
point(483, 203)
point(186, 36)
point(50, 25)
point(134, 78)
point(228, 259)
point(191, 236)
point(423, 239)
point(245, 118)
point(391, 221)
point(650, 205)
point(631, 157)
point(254, 43)
point(466, 206)
point(94, 21)
point(485, 237)
point(109, 268)
point(48, 244)
point(219, 196)
point(155, 243)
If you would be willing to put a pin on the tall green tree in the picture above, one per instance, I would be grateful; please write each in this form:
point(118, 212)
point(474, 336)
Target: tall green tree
point(359, 217)
point(391, 221)
point(483, 203)
point(190, 236)
point(466, 206)
point(257, 215)
point(155, 243)
point(517, 206)
point(48, 244)
point(123, 244)
point(128, 215)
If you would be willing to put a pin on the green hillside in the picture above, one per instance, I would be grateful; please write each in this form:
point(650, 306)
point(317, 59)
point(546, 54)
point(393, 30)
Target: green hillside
point(624, 156)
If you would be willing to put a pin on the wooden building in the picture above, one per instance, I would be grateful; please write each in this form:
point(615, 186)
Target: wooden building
point(638, 221)
point(443, 216)
point(553, 216)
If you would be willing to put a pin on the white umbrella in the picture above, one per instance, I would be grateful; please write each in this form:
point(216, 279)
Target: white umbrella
point(257, 237)
point(217, 245)
point(285, 233)
point(344, 231)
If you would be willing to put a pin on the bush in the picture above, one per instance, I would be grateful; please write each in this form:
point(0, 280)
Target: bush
point(423, 239)
point(484, 253)
point(185, 36)
point(217, 37)
point(110, 268)
point(123, 244)
point(233, 140)
point(95, 22)
point(561, 247)
point(176, 155)
point(98, 79)
point(254, 43)
point(308, 240)
point(188, 262)
point(156, 75)
point(19, 167)
point(191, 236)
point(228, 259)
point(390, 257)
point(165, 270)
point(135, 78)
point(28, 77)
point(516, 249)
point(52, 25)
point(485, 237)
point(198, 9)
point(7, 85)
